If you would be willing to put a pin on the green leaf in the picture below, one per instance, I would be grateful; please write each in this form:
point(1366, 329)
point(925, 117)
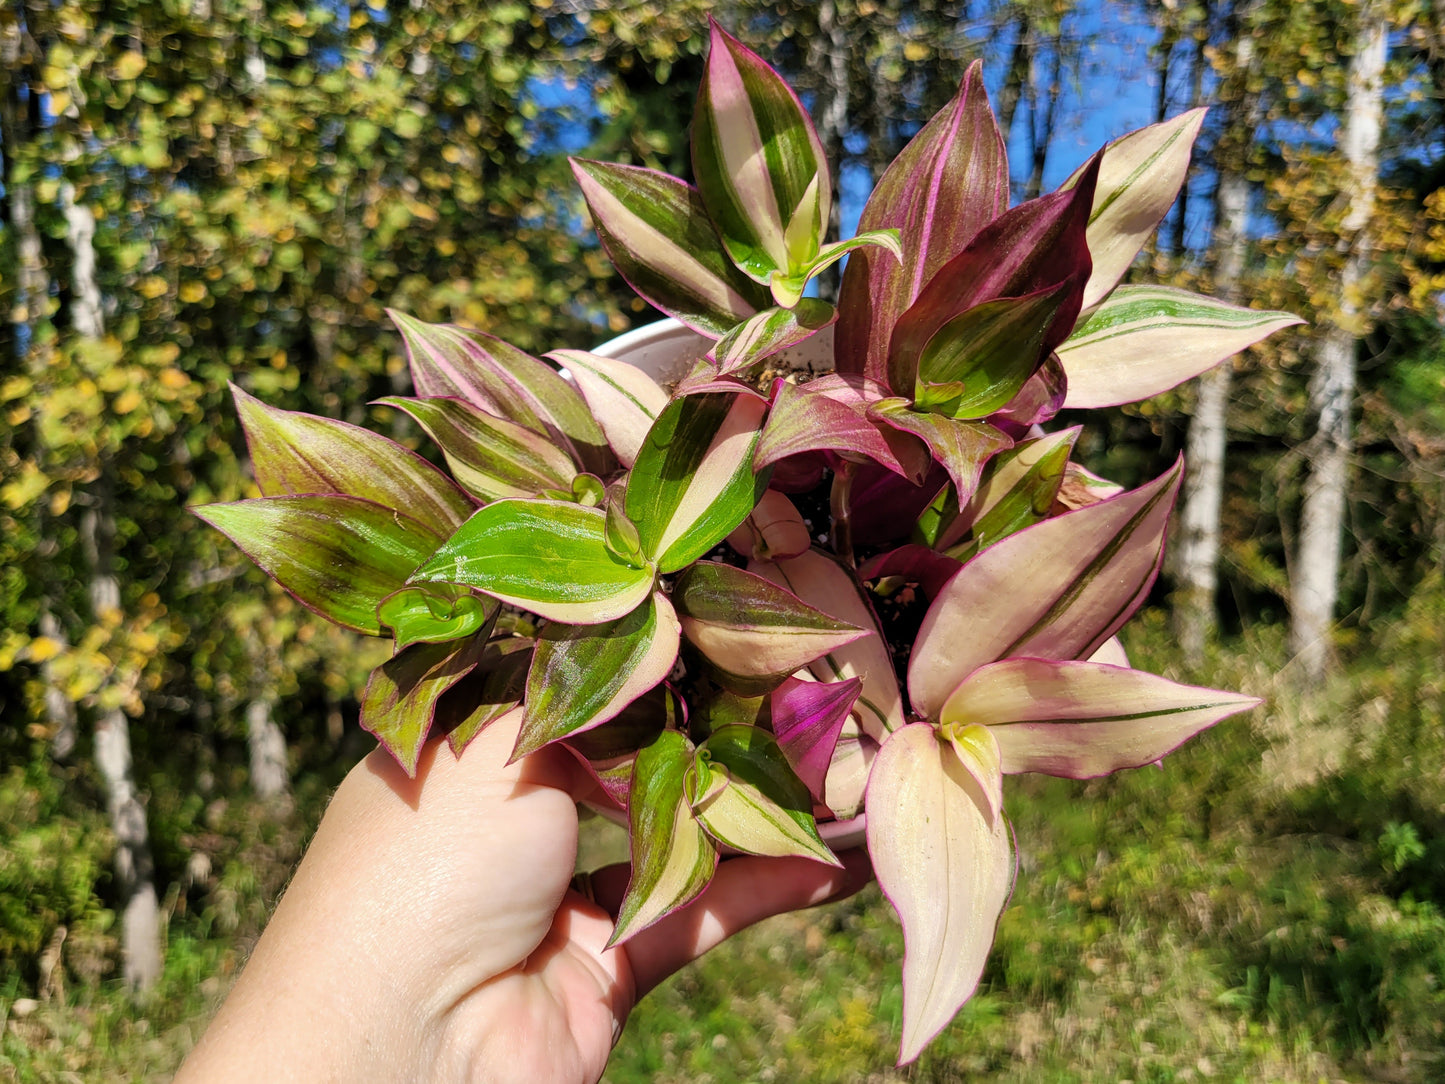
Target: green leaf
point(339, 556)
point(693, 480)
point(758, 161)
point(302, 454)
point(658, 236)
point(753, 632)
point(492, 457)
point(1018, 490)
point(747, 797)
point(978, 361)
point(672, 857)
point(583, 675)
point(1144, 340)
point(435, 614)
point(401, 695)
point(549, 557)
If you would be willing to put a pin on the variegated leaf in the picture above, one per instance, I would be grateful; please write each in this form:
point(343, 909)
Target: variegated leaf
point(962, 447)
point(1056, 590)
point(949, 182)
point(492, 457)
point(658, 236)
point(753, 632)
point(1140, 176)
point(1018, 490)
point(773, 530)
point(831, 414)
point(942, 857)
point(757, 157)
point(693, 481)
point(583, 675)
point(768, 332)
point(821, 582)
point(1084, 719)
point(493, 688)
point(1036, 246)
point(624, 399)
point(339, 556)
point(302, 454)
point(672, 857)
point(401, 695)
point(1144, 340)
point(493, 375)
point(549, 557)
point(747, 797)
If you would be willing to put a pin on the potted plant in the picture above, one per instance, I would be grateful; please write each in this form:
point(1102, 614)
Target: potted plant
point(770, 606)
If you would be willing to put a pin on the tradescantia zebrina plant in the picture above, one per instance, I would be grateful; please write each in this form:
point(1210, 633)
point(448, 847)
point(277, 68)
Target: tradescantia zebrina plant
point(758, 604)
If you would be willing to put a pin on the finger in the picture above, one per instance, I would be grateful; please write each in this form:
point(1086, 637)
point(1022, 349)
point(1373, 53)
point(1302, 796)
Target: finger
point(745, 890)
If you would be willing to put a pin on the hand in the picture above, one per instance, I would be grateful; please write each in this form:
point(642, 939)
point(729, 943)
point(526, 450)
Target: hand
point(430, 932)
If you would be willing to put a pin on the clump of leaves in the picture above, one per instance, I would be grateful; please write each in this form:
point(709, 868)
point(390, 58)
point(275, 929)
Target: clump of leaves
point(632, 571)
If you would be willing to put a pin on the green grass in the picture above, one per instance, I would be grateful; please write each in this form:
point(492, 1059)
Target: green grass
point(1265, 907)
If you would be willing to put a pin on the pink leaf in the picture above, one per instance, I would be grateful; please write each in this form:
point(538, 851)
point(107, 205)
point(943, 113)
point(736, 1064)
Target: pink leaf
point(808, 716)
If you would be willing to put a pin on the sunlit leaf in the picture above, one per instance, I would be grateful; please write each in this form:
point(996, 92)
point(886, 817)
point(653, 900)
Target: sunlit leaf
point(401, 695)
point(624, 399)
point(808, 717)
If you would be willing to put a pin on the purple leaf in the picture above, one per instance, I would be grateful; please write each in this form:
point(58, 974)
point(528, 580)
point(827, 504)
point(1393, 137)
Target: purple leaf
point(830, 414)
point(922, 565)
point(1036, 246)
point(949, 182)
point(962, 447)
point(808, 716)
point(1041, 397)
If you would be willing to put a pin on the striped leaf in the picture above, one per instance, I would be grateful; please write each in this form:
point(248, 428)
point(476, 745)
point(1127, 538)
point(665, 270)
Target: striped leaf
point(942, 857)
point(1056, 590)
point(831, 414)
point(435, 614)
point(492, 457)
point(609, 750)
point(978, 361)
point(759, 163)
point(1017, 491)
point(949, 182)
point(1084, 719)
point(821, 582)
point(658, 236)
point(624, 399)
point(752, 632)
point(492, 689)
point(1140, 176)
point(301, 454)
point(672, 857)
point(339, 556)
point(583, 675)
point(1041, 397)
point(401, 695)
point(549, 557)
point(808, 717)
point(1036, 246)
point(768, 332)
point(493, 375)
point(962, 447)
point(693, 481)
point(1144, 340)
point(746, 796)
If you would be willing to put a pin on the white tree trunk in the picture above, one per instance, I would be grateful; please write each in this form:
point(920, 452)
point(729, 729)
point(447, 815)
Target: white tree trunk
point(267, 745)
point(1315, 575)
point(1196, 559)
point(134, 870)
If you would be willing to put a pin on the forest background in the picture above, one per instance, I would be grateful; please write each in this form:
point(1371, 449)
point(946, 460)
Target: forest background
point(203, 191)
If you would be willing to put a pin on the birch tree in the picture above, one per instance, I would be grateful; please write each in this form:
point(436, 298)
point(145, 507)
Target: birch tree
point(1315, 573)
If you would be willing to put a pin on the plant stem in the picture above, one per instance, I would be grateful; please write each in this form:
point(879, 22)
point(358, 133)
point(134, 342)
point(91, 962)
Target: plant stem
point(841, 509)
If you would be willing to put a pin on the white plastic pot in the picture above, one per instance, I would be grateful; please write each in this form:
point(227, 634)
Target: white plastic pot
point(667, 351)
